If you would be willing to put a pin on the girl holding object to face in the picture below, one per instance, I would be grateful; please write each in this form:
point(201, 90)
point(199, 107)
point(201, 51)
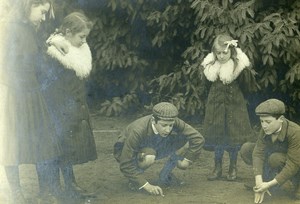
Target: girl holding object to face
point(226, 123)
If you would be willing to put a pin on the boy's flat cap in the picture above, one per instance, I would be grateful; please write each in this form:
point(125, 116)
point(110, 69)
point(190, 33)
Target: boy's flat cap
point(165, 111)
point(270, 107)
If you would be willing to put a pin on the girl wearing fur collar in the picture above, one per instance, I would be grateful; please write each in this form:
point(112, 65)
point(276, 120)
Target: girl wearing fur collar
point(63, 82)
point(226, 123)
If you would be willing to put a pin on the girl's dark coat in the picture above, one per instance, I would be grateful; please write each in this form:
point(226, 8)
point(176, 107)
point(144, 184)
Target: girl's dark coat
point(27, 135)
point(66, 98)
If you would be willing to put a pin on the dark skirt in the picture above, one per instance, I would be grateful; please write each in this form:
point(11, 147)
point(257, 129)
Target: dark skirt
point(27, 135)
point(226, 116)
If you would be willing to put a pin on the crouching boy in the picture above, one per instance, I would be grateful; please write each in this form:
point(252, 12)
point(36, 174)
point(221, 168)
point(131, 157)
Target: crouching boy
point(154, 137)
point(276, 154)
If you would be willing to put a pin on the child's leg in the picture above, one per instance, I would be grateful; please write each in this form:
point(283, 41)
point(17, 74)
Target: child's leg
point(246, 152)
point(274, 162)
point(233, 154)
point(71, 187)
point(217, 172)
point(144, 159)
point(175, 147)
point(48, 177)
point(165, 175)
point(68, 175)
point(13, 178)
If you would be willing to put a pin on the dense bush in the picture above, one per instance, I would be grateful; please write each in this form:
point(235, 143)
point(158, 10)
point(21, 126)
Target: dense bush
point(148, 50)
point(268, 33)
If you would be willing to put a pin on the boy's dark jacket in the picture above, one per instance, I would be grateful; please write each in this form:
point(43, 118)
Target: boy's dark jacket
point(139, 131)
point(288, 142)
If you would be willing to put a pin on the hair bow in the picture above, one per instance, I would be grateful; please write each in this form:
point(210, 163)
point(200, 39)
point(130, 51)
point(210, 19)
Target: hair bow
point(229, 43)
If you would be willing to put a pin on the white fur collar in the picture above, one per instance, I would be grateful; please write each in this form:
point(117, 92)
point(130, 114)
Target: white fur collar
point(225, 72)
point(77, 59)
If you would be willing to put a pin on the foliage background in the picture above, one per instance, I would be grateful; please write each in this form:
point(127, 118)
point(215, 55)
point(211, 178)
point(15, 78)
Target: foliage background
point(145, 51)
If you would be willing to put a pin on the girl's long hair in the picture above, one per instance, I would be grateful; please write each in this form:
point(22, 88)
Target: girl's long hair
point(21, 9)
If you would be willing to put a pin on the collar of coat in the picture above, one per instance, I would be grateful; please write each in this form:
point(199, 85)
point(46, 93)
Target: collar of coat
point(226, 72)
point(77, 59)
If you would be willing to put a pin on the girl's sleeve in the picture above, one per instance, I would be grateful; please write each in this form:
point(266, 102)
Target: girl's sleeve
point(204, 85)
point(247, 81)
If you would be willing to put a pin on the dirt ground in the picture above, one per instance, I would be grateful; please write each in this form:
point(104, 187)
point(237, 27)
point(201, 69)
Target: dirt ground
point(104, 178)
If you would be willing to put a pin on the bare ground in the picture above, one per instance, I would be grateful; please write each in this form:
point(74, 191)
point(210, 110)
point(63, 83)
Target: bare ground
point(104, 178)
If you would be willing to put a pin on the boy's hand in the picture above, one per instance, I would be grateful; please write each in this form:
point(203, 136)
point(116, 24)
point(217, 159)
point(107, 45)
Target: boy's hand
point(259, 195)
point(154, 190)
point(183, 164)
point(264, 186)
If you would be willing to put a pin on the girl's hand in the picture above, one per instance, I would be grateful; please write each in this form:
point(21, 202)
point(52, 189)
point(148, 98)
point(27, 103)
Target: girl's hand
point(61, 46)
point(59, 43)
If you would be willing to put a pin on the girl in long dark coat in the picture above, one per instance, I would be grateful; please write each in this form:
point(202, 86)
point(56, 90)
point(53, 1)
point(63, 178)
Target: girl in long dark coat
point(63, 82)
point(226, 123)
point(27, 135)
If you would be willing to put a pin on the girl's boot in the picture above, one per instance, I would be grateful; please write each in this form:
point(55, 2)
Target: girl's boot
point(232, 171)
point(49, 182)
point(217, 172)
point(71, 187)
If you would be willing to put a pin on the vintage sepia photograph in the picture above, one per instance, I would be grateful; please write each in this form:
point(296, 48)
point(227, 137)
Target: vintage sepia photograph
point(149, 101)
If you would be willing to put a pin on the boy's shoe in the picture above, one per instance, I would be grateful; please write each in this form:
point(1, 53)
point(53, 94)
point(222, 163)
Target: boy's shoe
point(132, 186)
point(249, 185)
point(171, 180)
point(75, 192)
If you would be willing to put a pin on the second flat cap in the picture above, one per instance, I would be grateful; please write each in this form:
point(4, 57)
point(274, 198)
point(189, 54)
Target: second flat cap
point(270, 107)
